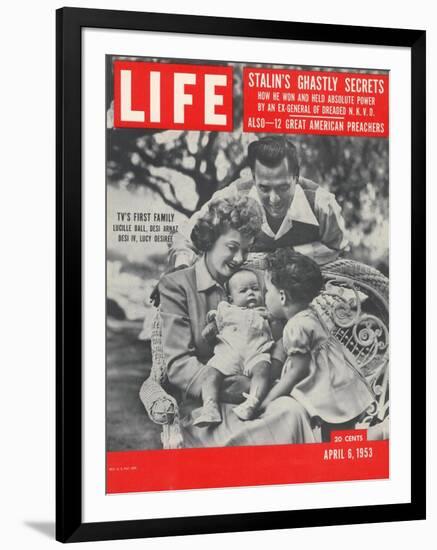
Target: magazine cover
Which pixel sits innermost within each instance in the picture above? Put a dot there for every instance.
(247, 298)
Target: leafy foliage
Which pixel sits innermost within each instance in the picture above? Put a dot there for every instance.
(354, 169)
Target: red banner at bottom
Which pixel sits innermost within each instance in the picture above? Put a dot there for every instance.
(163, 470)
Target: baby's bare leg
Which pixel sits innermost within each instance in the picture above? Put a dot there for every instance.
(212, 385)
(260, 381)
(210, 412)
(259, 386)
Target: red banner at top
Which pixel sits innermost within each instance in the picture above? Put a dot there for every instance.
(173, 96)
(315, 102)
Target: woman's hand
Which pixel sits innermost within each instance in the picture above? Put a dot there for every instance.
(233, 388)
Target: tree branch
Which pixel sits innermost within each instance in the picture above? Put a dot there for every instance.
(235, 172)
(141, 179)
(163, 163)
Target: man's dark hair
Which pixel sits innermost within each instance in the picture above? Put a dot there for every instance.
(271, 151)
(297, 275)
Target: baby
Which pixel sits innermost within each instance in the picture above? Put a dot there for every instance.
(244, 340)
(318, 371)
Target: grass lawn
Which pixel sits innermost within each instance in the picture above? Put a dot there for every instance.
(128, 364)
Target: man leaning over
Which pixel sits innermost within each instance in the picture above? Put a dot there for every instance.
(296, 211)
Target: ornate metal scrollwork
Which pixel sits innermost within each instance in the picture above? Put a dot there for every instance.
(346, 308)
(363, 334)
(371, 334)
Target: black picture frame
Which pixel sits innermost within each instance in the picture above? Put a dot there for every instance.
(69, 524)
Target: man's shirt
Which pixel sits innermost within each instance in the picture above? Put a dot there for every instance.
(313, 224)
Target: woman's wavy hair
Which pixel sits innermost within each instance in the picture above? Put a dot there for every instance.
(297, 275)
(238, 212)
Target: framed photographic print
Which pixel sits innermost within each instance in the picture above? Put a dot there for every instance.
(240, 255)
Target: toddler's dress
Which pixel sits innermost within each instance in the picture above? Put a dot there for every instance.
(334, 388)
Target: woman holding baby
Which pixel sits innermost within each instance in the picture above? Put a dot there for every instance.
(241, 366)
(224, 234)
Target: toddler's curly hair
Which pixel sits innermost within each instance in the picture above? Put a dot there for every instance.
(297, 275)
(238, 212)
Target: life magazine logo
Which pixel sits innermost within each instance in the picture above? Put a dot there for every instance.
(170, 96)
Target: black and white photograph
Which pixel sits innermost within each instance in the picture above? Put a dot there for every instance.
(247, 280)
(218, 272)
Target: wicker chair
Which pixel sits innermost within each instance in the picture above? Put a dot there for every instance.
(355, 300)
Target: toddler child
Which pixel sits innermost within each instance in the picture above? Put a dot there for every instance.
(318, 372)
(244, 340)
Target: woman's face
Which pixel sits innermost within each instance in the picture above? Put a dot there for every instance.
(227, 254)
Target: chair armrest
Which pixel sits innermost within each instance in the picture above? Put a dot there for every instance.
(161, 407)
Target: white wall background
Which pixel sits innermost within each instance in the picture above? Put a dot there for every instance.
(27, 236)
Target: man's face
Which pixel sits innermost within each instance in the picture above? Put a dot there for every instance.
(275, 188)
